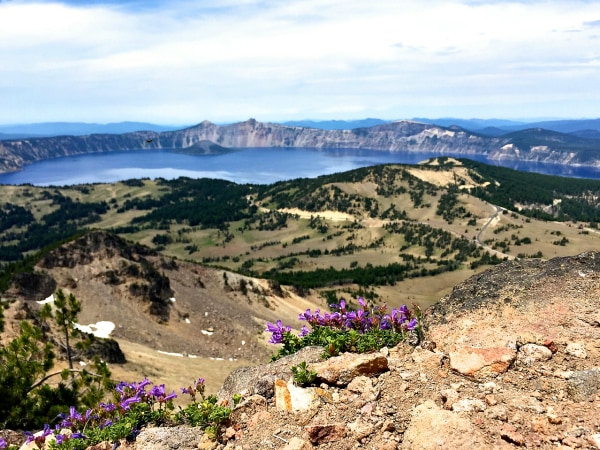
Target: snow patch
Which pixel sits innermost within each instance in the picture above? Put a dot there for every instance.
(100, 329)
(187, 320)
(170, 353)
(180, 355)
(49, 299)
(208, 333)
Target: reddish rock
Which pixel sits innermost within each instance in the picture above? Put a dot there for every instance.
(551, 345)
(433, 428)
(481, 362)
(258, 419)
(510, 434)
(320, 434)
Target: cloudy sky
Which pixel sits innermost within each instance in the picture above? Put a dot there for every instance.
(179, 62)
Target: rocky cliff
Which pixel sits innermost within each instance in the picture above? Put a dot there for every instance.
(397, 136)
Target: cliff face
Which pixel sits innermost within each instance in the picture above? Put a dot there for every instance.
(397, 136)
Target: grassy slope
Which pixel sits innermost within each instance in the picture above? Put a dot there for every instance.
(263, 250)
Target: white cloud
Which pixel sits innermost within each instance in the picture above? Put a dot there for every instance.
(185, 61)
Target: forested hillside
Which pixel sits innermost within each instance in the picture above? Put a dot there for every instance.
(366, 230)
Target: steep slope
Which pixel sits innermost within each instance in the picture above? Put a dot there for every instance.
(157, 304)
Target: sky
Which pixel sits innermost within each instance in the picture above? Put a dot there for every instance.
(179, 62)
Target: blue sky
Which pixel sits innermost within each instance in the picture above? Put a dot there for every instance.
(180, 62)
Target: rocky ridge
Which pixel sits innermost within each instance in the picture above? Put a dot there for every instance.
(511, 358)
(396, 136)
(165, 304)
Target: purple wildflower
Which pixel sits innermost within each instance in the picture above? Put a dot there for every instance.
(3, 443)
(72, 419)
(306, 315)
(304, 331)
(110, 407)
(412, 324)
(386, 323)
(158, 391)
(362, 302)
(198, 387)
(106, 423)
(39, 438)
(277, 331)
(126, 404)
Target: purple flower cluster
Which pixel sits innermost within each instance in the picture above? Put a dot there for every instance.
(277, 330)
(126, 395)
(131, 393)
(40, 438)
(363, 319)
(197, 388)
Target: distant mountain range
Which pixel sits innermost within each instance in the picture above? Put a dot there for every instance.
(586, 128)
(48, 129)
(532, 144)
(336, 124)
(589, 128)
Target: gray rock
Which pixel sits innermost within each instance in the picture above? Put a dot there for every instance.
(259, 380)
(164, 438)
(583, 384)
(532, 353)
(576, 349)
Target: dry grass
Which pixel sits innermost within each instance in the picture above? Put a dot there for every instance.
(174, 371)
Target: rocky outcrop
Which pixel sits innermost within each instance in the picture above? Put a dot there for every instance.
(535, 323)
(510, 359)
(208, 137)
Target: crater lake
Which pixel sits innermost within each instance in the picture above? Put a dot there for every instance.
(249, 165)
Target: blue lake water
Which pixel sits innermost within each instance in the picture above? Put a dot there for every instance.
(253, 165)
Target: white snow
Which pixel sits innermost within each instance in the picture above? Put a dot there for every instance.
(187, 320)
(170, 354)
(181, 355)
(100, 329)
(49, 299)
(208, 333)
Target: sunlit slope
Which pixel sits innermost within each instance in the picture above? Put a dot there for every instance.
(370, 230)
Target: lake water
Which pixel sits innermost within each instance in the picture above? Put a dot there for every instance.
(253, 165)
